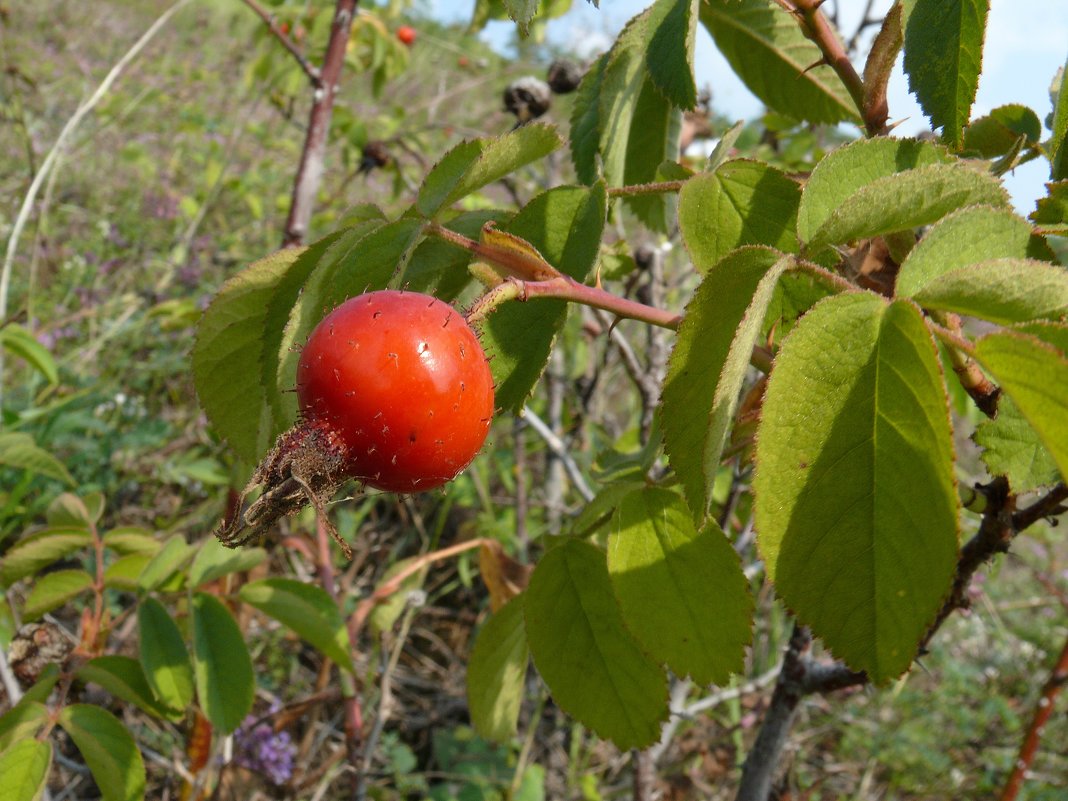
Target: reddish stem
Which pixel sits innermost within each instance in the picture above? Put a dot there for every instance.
(1043, 710)
(312, 157)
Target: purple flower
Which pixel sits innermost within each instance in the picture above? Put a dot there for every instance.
(262, 750)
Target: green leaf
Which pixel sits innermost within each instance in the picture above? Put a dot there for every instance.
(522, 12)
(40, 549)
(473, 164)
(20, 342)
(221, 664)
(1051, 212)
(996, 134)
(682, 590)
(1058, 142)
(108, 749)
(22, 722)
(968, 236)
(52, 590)
(307, 610)
(68, 509)
(164, 657)
(565, 225)
(943, 59)
(174, 553)
(497, 671)
(741, 203)
(854, 166)
(214, 560)
(908, 200)
(768, 51)
(385, 614)
(24, 770)
(595, 670)
(124, 678)
(856, 502)
(230, 352)
(669, 57)
(708, 365)
(1012, 448)
(638, 128)
(585, 133)
(1002, 290)
(18, 450)
(131, 539)
(123, 573)
(1034, 374)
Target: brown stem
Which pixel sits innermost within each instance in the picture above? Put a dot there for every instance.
(980, 389)
(310, 171)
(268, 19)
(816, 27)
(645, 189)
(1043, 710)
(801, 675)
(353, 710)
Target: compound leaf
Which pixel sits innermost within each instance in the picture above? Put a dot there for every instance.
(124, 678)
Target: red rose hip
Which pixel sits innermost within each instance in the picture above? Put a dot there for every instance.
(402, 381)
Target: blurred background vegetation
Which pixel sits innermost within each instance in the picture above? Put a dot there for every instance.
(181, 177)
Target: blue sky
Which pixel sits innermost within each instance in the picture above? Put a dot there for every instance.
(1026, 42)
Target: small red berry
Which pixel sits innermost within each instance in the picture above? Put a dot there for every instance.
(406, 33)
(402, 380)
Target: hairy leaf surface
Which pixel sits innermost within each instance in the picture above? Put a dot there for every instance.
(1034, 373)
(943, 59)
(708, 365)
(740, 203)
(851, 167)
(767, 50)
(856, 501)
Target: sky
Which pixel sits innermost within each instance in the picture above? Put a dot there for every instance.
(1026, 42)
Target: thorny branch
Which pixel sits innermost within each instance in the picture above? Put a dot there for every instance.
(268, 19)
(313, 154)
(802, 675)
